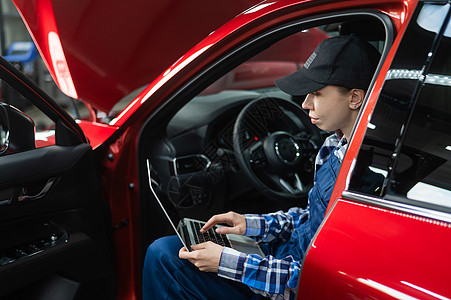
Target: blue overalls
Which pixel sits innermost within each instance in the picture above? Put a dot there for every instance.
(319, 197)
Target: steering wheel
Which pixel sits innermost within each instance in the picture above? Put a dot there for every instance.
(275, 145)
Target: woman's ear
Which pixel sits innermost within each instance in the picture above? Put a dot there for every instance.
(356, 100)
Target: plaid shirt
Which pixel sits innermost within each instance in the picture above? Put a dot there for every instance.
(272, 277)
(328, 146)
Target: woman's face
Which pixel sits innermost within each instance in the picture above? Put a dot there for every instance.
(330, 109)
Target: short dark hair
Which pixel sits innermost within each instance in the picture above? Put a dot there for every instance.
(343, 90)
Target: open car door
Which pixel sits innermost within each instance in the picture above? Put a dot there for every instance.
(55, 230)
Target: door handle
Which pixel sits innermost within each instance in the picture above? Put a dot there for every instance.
(6, 195)
(23, 196)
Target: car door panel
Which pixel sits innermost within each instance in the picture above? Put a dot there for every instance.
(379, 259)
(41, 162)
(65, 231)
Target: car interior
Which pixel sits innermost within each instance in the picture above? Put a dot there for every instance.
(236, 142)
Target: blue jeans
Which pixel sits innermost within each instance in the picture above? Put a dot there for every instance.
(166, 276)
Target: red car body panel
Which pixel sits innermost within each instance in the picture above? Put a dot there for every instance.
(97, 133)
(393, 261)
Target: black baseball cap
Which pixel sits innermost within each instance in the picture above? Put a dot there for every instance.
(346, 61)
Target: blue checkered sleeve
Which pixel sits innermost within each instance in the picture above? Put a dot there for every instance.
(268, 276)
(275, 226)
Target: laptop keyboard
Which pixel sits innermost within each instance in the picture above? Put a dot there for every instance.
(210, 235)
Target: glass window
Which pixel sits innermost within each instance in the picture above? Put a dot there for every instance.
(424, 168)
(407, 149)
(44, 126)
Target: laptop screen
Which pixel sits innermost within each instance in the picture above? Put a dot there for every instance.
(154, 182)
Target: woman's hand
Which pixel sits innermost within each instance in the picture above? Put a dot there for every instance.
(206, 256)
(237, 221)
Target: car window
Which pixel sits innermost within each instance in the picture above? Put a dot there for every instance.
(44, 126)
(406, 153)
(429, 134)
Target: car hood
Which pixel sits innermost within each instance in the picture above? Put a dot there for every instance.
(101, 51)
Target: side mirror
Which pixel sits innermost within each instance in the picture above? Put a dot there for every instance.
(17, 131)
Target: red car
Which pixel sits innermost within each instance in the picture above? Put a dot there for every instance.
(76, 211)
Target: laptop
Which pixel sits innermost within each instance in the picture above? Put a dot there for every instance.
(188, 230)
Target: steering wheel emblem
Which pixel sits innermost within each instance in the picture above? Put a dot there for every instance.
(287, 149)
